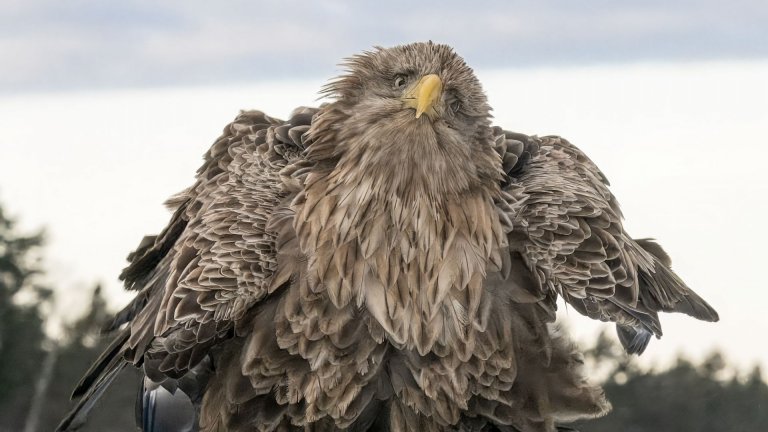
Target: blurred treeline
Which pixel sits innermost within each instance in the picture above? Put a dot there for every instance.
(37, 372)
(687, 397)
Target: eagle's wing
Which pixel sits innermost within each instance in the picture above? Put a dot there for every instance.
(565, 227)
(213, 261)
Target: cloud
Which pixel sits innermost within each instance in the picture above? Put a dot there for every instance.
(50, 44)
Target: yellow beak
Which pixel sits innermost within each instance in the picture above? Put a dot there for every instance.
(425, 94)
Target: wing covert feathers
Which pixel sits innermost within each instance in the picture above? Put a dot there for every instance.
(568, 228)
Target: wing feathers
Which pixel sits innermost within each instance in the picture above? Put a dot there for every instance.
(567, 226)
(663, 290)
(106, 361)
(211, 262)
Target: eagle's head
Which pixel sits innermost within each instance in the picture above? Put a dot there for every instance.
(413, 119)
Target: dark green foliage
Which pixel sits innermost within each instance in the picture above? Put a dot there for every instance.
(115, 412)
(21, 325)
(686, 397)
(23, 345)
(20, 360)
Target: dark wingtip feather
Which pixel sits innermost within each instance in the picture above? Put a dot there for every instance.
(76, 418)
(151, 251)
(126, 314)
(634, 339)
(665, 291)
(677, 297)
(106, 362)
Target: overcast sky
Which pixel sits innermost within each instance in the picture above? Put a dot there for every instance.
(76, 44)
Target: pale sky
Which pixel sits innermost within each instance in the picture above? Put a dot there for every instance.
(85, 44)
(683, 144)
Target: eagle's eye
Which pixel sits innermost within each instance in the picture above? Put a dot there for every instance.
(400, 81)
(455, 106)
(453, 101)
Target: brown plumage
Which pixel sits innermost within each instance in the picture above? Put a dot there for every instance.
(388, 261)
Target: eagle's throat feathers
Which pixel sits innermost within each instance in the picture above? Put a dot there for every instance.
(417, 266)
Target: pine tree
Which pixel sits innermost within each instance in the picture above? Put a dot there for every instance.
(686, 397)
(21, 324)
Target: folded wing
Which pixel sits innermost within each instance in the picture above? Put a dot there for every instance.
(213, 261)
(567, 227)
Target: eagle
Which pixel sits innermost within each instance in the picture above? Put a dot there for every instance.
(387, 261)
